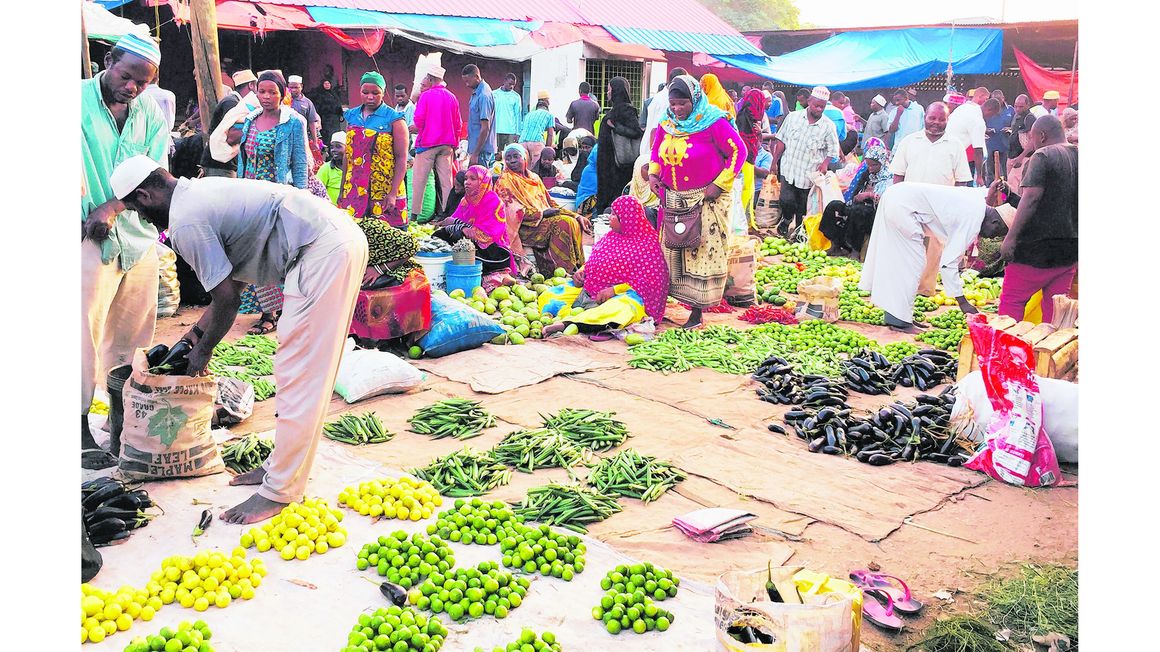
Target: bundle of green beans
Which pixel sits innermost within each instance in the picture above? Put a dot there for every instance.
(356, 430)
(263, 389)
(454, 417)
(465, 473)
(540, 448)
(593, 430)
(249, 359)
(634, 475)
(246, 454)
(566, 505)
(261, 343)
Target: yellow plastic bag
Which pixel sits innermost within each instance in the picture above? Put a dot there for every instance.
(814, 237)
(1033, 312)
(620, 311)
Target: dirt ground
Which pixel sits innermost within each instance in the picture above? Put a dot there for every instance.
(939, 528)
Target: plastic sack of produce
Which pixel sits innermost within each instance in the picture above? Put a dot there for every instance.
(767, 206)
(167, 425)
(364, 373)
(456, 327)
(819, 298)
(235, 402)
(825, 190)
(829, 619)
(168, 289)
(741, 286)
(973, 413)
(1017, 449)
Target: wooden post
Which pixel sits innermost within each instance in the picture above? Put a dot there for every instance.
(1074, 62)
(86, 60)
(206, 63)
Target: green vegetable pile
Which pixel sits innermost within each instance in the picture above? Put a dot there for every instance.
(852, 306)
(249, 359)
(465, 473)
(472, 592)
(596, 431)
(404, 561)
(454, 417)
(634, 475)
(397, 629)
(246, 454)
(540, 549)
(477, 521)
(185, 637)
(629, 595)
(896, 352)
(357, 430)
(566, 505)
(540, 448)
(950, 319)
(529, 642)
(947, 339)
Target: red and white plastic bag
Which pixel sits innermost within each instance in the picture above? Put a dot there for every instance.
(1016, 450)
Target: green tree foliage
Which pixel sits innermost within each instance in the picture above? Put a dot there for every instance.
(756, 14)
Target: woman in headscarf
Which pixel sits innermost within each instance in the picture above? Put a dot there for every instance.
(589, 183)
(848, 224)
(273, 148)
(480, 218)
(749, 115)
(639, 189)
(328, 105)
(576, 158)
(396, 296)
(1069, 117)
(377, 141)
(696, 156)
(619, 132)
(552, 233)
(547, 169)
(717, 96)
(625, 279)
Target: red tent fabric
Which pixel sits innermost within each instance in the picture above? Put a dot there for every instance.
(367, 40)
(1039, 80)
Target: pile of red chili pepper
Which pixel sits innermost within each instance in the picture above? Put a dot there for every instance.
(766, 313)
(719, 308)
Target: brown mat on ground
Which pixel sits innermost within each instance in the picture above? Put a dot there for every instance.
(496, 369)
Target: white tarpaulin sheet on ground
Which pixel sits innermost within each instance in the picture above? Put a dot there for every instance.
(286, 615)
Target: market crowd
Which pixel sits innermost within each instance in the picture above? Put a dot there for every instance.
(289, 204)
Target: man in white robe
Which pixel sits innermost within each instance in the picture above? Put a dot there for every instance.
(956, 216)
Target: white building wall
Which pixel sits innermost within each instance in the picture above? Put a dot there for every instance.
(558, 71)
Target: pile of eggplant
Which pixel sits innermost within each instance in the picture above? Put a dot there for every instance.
(926, 369)
(782, 385)
(169, 362)
(869, 372)
(113, 509)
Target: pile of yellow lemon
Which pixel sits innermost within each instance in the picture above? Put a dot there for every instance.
(104, 614)
(402, 498)
(206, 579)
(299, 530)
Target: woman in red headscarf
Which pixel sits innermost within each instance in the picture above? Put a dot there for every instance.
(481, 218)
(625, 279)
(749, 114)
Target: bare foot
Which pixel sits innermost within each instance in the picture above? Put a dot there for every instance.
(254, 509)
(253, 476)
(908, 328)
(552, 329)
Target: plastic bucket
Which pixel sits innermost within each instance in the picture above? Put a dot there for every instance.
(115, 384)
(464, 277)
(433, 266)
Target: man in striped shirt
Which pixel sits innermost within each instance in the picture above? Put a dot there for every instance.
(802, 147)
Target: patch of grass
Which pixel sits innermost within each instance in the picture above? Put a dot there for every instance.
(960, 633)
(1040, 600)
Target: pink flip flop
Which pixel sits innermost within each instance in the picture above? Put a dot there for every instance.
(903, 602)
(878, 608)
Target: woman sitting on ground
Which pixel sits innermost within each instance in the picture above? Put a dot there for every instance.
(396, 296)
(848, 224)
(553, 233)
(480, 218)
(547, 168)
(625, 279)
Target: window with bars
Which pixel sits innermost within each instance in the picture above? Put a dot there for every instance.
(598, 71)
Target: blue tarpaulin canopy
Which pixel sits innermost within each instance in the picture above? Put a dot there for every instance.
(479, 32)
(881, 58)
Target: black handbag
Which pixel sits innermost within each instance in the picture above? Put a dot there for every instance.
(681, 218)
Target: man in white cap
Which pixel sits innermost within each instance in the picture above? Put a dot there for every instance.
(118, 259)
(236, 104)
(238, 231)
(437, 125)
(878, 124)
(330, 172)
(968, 125)
(304, 107)
(895, 257)
(802, 147)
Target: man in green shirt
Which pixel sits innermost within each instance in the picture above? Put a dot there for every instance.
(330, 172)
(118, 260)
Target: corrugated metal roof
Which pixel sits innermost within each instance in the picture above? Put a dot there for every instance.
(671, 15)
(685, 41)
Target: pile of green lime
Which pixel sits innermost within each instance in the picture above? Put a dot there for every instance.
(516, 307)
(529, 641)
(541, 549)
(629, 595)
(475, 521)
(471, 592)
(406, 561)
(396, 629)
(186, 637)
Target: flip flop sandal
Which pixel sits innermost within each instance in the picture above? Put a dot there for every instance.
(902, 599)
(97, 459)
(601, 337)
(260, 328)
(878, 608)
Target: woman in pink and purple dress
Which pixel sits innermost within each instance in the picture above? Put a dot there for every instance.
(696, 155)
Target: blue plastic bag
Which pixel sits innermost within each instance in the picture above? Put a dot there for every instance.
(456, 327)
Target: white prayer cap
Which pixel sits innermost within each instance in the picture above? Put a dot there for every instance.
(338, 137)
(243, 77)
(821, 92)
(879, 100)
(130, 173)
(294, 79)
